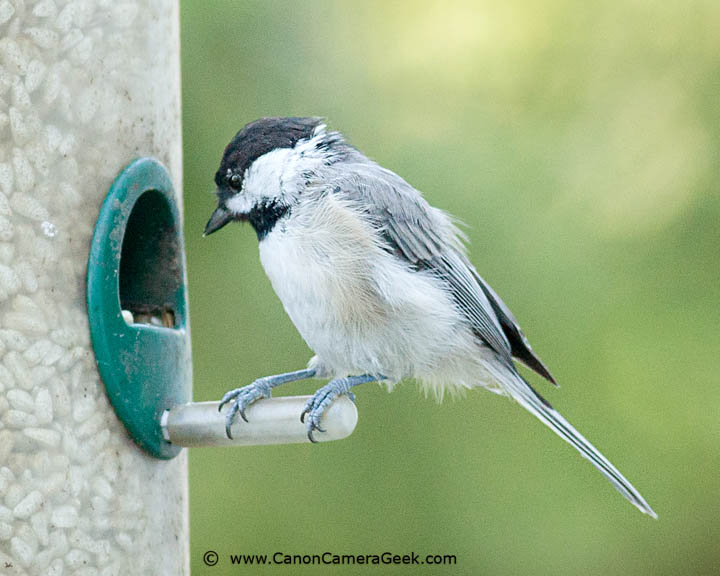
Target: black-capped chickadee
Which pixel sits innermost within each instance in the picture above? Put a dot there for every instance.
(375, 279)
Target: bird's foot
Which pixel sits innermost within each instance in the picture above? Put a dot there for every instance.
(319, 402)
(241, 398)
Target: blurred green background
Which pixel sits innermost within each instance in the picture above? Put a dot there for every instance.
(580, 143)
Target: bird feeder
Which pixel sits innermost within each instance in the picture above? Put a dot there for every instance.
(85, 87)
(137, 307)
(93, 479)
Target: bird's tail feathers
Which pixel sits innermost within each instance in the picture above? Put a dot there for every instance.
(516, 387)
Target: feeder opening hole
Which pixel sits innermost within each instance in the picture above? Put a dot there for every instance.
(150, 263)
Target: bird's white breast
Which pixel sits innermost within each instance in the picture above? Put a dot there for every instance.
(358, 307)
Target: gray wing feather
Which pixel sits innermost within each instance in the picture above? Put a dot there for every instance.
(519, 343)
(426, 238)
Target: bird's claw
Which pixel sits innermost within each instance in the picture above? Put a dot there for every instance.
(241, 398)
(316, 406)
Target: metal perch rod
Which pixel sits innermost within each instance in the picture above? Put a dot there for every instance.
(270, 421)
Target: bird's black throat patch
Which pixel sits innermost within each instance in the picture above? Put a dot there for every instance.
(264, 216)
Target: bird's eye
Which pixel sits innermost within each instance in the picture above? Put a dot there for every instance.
(235, 181)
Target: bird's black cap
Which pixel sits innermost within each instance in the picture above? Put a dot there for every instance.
(259, 138)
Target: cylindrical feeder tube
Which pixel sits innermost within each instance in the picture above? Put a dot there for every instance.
(85, 87)
(270, 421)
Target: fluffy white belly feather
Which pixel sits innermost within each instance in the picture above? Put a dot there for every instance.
(361, 309)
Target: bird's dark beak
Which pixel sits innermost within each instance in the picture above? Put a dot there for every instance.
(218, 219)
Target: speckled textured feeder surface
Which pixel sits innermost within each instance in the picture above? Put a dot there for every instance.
(85, 87)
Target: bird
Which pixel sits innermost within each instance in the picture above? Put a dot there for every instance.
(376, 280)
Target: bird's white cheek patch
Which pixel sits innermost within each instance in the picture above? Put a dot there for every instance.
(239, 204)
(265, 175)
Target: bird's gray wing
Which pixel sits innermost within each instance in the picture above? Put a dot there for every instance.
(519, 343)
(426, 238)
(411, 235)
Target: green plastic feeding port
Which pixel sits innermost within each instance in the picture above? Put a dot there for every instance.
(137, 303)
